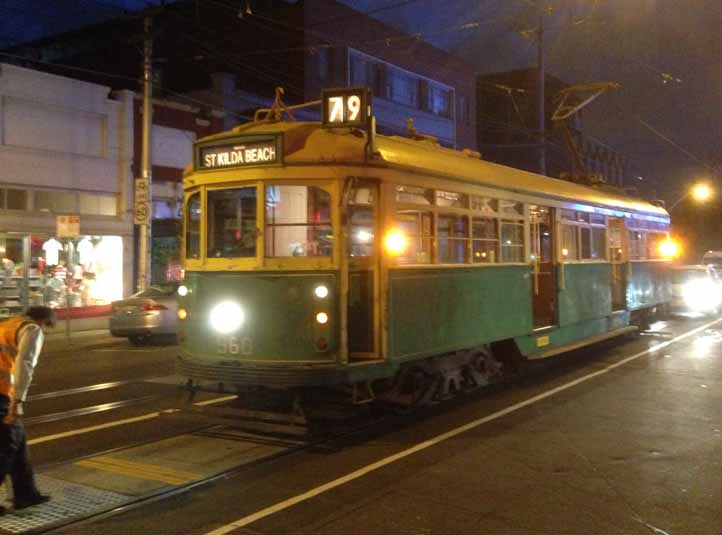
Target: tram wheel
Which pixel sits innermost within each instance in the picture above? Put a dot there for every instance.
(139, 339)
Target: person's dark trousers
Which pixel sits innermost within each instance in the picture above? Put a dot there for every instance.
(14, 457)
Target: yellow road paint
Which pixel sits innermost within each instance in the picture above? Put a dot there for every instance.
(139, 470)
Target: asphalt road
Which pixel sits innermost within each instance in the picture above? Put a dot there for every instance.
(614, 439)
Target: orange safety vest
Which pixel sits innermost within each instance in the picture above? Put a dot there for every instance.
(9, 330)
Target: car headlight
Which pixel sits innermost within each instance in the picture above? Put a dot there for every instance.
(702, 295)
(227, 317)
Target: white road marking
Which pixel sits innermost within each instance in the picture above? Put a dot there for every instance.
(115, 423)
(280, 506)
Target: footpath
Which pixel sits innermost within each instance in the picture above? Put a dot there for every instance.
(57, 342)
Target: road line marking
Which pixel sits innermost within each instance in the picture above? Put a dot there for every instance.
(299, 498)
(139, 470)
(149, 416)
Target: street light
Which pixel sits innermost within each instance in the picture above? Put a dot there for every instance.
(700, 192)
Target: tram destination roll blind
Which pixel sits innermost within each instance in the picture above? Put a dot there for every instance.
(238, 154)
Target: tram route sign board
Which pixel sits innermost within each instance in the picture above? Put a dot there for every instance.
(345, 107)
(238, 153)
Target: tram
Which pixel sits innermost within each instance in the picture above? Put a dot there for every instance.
(319, 254)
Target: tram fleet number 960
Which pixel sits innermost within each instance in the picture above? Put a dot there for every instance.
(235, 345)
(345, 107)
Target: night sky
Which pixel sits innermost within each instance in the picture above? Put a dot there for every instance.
(665, 53)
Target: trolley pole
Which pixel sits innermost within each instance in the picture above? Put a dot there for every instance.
(542, 96)
(146, 171)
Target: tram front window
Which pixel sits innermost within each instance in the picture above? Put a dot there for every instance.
(232, 223)
(298, 221)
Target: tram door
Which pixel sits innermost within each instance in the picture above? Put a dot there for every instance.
(618, 258)
(363, 270)
(544, 288)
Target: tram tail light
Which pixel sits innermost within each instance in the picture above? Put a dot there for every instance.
(668, 248)
(395, 242)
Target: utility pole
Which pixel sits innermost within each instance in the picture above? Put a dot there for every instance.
(541, 91)
(147, 169)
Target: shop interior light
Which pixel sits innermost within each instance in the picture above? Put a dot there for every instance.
(395, 242)
(227, 317)
(322, 318)
(182, 290)
(321, 291)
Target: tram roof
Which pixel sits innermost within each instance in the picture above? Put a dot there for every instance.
(307, 142)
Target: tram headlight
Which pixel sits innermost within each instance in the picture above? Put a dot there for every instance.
(702, 295)
(321, 291)
(182, 313)
(322, 318)
(395, 242)
(227, 317)
(182, 290)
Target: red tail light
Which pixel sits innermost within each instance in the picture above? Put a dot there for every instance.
(155, 306)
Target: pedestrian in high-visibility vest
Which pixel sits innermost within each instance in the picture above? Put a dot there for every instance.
(21, 340)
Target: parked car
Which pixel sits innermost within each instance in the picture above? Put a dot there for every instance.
(695, 288)
(146, 315)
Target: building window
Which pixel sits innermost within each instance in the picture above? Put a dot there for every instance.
(440, 101)
(298, 221)
(360, 68)
(14, 199)
(57, 202)
(404, 88)
(98, 204)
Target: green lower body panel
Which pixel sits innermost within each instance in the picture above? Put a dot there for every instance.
(566, 335)
(648, 284)
(435, 311)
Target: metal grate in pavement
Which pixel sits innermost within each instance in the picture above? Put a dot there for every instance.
(70, 501)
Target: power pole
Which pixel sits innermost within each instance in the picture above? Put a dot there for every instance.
(541, 90)
(147, 169)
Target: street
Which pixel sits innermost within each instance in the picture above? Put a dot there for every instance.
(611, 439)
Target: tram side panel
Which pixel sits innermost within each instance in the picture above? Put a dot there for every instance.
(438, 310)
(648, 284)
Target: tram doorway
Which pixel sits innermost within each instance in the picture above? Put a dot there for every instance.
(363, 275)
(618, 260)
(544, 287)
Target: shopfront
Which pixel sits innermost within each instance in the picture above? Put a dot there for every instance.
(79, 276)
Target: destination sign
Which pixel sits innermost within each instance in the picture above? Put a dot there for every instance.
(238, 154)
(345, 107)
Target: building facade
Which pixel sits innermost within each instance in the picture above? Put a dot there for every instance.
(508, 129)
(66, 148)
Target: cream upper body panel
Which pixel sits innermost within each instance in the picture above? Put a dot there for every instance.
(307, 143)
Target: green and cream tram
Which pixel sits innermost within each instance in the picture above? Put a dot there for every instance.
(329, 256)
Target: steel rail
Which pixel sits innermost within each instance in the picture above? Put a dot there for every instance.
(57, 416)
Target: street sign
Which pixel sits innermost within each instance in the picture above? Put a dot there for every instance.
(141, 208)
(67, 226)
(345, 107)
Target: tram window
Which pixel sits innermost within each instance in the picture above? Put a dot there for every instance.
(511, 208)
(298, 221)
(568, 215)
(484, 204)
(599, 243)
(654, 240)
(637, 245)
(232, 223)
(451, 199)
(570, 248)
(416, 226)
(512, 242)
(361, 217)
(452, 238)
(598, 219)
(586, 242)
(583, 216)
(413, 195)
(485, 240)
(193, 226)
